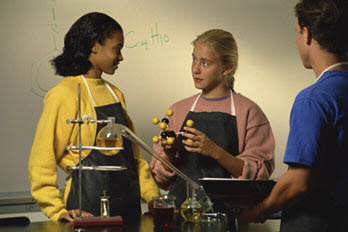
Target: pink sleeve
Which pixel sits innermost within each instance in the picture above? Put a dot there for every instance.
(162, 176)
(256, 141)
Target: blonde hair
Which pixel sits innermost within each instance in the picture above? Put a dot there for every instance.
(225, 47)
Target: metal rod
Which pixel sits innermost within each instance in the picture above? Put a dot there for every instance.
(92, 148)
(130, 135)
(98, 168)
(80, 150)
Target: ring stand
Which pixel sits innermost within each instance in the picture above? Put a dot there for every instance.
(127, 133)
(95, 220)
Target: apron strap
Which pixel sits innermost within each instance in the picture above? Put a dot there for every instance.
(233, 111)
(112, 92)
(90, 93)
(195, 103)
(330, 67)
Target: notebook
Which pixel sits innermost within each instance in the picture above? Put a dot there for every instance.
(222, 190)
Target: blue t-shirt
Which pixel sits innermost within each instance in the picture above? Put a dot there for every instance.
(318, 132)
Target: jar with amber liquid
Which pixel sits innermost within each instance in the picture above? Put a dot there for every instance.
(109, 137)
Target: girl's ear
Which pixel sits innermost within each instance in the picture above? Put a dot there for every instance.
(95, 48)
(227, 70)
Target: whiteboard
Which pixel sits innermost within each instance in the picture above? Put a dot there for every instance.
(156, 70)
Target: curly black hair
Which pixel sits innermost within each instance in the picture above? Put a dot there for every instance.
(79, 40)
(328, 22)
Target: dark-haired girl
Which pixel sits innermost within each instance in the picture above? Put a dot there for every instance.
(92, 47)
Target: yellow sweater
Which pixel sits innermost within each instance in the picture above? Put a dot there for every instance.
(53, 134)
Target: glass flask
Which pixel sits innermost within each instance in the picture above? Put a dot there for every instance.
(109, 136)
(191, 209)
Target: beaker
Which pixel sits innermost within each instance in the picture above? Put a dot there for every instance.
(216, 222)
(163, 212)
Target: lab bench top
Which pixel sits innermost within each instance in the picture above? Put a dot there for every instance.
(145, 224)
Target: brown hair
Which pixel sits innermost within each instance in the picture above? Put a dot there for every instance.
(225, 46)
(327, 21)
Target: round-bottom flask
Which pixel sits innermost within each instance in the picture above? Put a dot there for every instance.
(109, 136)
(191, 209)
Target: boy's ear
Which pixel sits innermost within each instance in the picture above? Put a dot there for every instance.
(307, 35)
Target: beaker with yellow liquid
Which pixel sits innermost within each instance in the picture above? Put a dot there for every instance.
(110, 137)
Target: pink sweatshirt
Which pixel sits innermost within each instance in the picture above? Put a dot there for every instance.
(255, 137)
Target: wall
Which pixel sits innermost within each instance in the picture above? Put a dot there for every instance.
(156, 68)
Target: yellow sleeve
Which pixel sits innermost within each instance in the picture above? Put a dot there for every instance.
(48, 148)
(148, 187)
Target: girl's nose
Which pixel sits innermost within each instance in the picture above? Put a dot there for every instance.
(120, 57)
(195, 67)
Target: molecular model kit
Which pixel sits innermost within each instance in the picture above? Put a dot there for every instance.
(167, 134)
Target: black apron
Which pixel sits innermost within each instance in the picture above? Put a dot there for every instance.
(320, 218)
(220, 128)
(121, 186)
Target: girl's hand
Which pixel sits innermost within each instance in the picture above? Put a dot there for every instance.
(150, 207)
(71, 214)
(170, 149)
(198, 142)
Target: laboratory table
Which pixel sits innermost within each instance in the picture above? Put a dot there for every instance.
(143, 225)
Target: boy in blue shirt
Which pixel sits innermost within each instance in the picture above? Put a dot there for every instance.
(312, 194)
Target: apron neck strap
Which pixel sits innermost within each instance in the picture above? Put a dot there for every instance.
(330, 67)
(90, 93)
(233, 111)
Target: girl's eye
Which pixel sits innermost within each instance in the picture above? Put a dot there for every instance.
(205, 63)
(194, 59)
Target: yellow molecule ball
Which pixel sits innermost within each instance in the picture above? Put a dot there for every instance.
(155, 120)
(155, 139)
(163, 125)
(170, 112)
(189, 140)
(189, 123)
(170, 140)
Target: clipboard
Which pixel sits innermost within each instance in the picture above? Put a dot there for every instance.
(227, 190)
